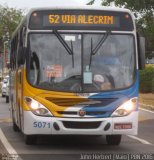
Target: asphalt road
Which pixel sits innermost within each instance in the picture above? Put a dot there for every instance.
(75, 147)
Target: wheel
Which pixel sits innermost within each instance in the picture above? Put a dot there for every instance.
(3, 95)
(30, 139)
(113, 139)
(7, 99)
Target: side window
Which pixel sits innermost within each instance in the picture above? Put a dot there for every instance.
(11, 55)
(14, 43)
(17, 42)
(15, 53)
(19, 45)
(24, 35)
(21, 42)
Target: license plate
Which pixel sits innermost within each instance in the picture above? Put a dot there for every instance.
(123, 126)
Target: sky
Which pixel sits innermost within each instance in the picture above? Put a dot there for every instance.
(27, 4)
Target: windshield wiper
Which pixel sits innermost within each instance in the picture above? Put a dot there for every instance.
(68, 49)
(72, 54)
(98, 46)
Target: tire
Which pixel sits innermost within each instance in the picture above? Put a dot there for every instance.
(30, 139)
(3, 95)
(7, 99)
(113, 139)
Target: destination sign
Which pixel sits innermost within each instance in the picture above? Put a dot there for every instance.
(55, 19)
(80, 20)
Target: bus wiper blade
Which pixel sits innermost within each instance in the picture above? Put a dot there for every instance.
(103, 39)
(72, 54)
(91, 53)
(68, 49)
(100, 43)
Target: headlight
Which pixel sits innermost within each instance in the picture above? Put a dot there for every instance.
(126, 108)
(37, 108)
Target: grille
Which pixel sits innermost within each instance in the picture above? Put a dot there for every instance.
(88, 113)
(66, 102)
(81, 125)
(94, 113)
(67, 112)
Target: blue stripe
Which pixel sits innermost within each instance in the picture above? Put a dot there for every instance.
(107, 102)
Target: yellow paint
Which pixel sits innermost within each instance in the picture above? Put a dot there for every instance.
(50, 99)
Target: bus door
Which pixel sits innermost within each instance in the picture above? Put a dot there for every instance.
(19, 89)
(19, 95)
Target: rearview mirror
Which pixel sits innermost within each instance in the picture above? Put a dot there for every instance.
(141, 51)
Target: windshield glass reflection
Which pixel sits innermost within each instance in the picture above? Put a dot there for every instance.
(52, 67)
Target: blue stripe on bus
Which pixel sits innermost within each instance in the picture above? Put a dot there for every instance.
(120, 97)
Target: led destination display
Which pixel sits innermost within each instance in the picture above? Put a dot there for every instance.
(80, 20)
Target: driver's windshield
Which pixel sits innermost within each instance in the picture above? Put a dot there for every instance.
(111, 67)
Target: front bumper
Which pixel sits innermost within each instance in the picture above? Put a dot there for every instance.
(37, 125)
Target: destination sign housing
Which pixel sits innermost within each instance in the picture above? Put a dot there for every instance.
(80, 20)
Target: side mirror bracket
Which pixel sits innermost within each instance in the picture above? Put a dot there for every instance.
(141, 51)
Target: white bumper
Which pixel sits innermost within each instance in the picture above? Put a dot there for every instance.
(45, 125)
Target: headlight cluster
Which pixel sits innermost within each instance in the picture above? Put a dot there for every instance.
(37, 108)
(126, 108)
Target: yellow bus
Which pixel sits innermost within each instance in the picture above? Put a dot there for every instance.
(74, 71)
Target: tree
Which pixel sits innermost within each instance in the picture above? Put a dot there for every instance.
(144, 9)
(91, 2)
(9, 20)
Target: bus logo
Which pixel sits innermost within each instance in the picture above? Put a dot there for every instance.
(82, 113)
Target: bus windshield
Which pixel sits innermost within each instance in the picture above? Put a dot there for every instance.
(51, 67)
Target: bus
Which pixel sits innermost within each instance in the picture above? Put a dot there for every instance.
(74, 71)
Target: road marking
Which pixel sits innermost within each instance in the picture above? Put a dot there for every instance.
(6, 144)
(8, 147)
(146, 110)
(140, 140)
(7, 120)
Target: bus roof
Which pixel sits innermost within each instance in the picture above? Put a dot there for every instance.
(97, 8)
(80, 8)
